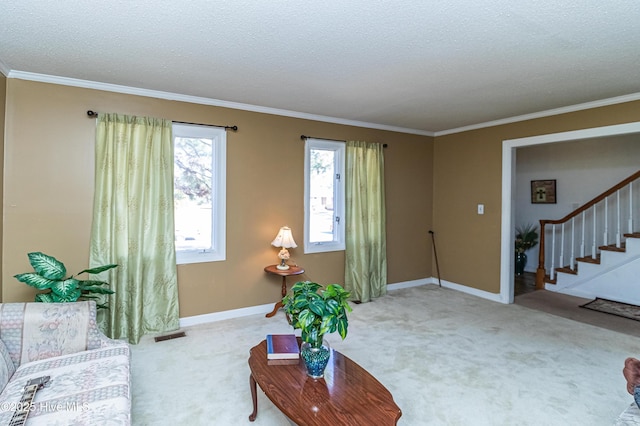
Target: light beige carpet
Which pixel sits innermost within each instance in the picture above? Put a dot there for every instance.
(568, 306)
(447, 357)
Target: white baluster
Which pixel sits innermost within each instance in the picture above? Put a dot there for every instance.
(606, 222)
(594, 253)
(631, 207)
(552, 272)
(572, 258)
(561, 258)
(584, 216)
(618, 233)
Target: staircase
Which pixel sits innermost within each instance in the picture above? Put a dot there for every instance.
(593, 251)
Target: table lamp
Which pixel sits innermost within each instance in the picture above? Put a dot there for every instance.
(285, 240)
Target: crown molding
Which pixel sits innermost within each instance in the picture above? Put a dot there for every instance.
(541, 114)
(4, 69)
(87, 84)
(108, 87)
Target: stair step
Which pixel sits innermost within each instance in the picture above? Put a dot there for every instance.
(612, 247)
(589, 259)
(568, 270)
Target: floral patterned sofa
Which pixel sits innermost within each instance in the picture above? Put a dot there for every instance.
(90, 378)
(629, 417)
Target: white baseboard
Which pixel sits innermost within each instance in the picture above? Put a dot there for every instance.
(224, 315)
(264, 309)
(407, 284)
(495, 297)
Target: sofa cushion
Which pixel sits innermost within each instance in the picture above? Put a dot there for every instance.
(90, 387)
(6, 365)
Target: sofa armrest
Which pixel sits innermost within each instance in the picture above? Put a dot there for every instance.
(106, 342)
(629, 417)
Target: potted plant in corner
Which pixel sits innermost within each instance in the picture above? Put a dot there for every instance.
(50, 275)
(526, 238)
(317, 313)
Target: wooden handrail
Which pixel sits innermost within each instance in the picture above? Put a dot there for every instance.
(596, 200)
(540, 273)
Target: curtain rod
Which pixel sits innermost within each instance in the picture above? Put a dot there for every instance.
(92, 114)
(303, 137)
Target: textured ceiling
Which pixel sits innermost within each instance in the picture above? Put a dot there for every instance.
(431, 66)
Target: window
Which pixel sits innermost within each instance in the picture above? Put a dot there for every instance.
(323, 196)
(199, 174)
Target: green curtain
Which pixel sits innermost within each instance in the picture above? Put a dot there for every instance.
(365, 229)
(133, 224)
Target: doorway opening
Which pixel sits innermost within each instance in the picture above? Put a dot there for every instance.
(509, 148)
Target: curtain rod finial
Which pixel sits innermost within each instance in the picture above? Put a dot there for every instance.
(92, 113)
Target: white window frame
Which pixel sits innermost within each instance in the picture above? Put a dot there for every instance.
(339, 149)
(218, 136)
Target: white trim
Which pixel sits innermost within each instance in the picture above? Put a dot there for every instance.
(225, 315)
(413, 283)
(4, 69)
(556, 111)
(595, 132)
(495, 297)
(218, 137)
(508, 216)
(340, 157)
(108, 87)
(508, 183)
(448, 284)
(264, 309)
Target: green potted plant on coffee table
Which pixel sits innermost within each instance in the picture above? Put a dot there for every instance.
(316, 312)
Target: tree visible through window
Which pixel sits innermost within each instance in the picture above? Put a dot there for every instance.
(199, 165)
(324, 195)
(321, 192)
(193, 195)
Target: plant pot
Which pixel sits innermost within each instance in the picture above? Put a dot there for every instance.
(521, 261)
(315, 359)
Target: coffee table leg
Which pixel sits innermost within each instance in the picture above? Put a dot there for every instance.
(254, 396)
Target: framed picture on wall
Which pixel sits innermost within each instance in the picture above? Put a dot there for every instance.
(543, 191)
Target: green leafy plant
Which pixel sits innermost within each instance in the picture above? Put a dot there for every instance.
(50, 275)
(526, 237)
(317, 313)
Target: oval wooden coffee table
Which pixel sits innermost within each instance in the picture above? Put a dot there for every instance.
(347, 395)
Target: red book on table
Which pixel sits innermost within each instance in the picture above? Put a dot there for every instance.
(282, 346)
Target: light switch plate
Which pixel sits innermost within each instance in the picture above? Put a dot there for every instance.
(480, 208)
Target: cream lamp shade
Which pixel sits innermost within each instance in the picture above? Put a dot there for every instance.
(285, 240)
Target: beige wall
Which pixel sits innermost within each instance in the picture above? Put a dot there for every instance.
(467, 171)
(48, 176)
(431, 184)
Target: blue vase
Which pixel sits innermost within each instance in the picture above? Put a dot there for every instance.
(521, 261)
(315, 359)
